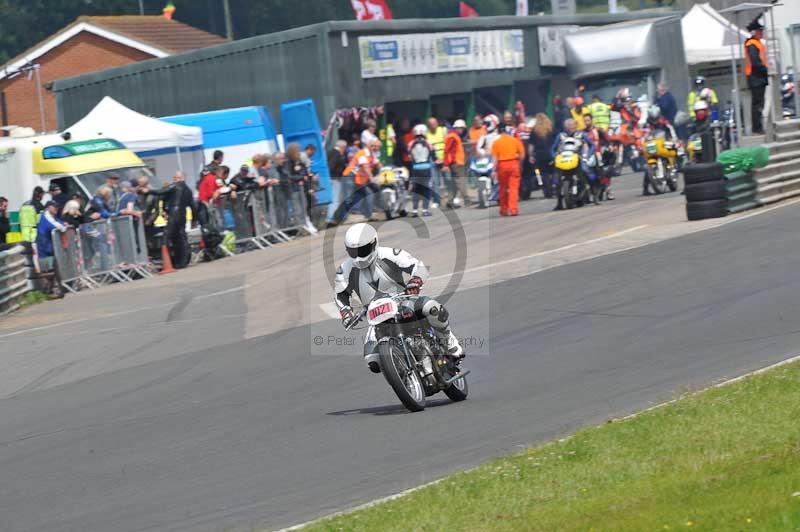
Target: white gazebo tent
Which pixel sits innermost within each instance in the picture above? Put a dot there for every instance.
(709, 39)
(163, 146)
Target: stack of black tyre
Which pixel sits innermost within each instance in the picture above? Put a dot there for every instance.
(706, 194)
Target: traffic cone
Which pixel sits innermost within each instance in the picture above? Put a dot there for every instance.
(166, 262)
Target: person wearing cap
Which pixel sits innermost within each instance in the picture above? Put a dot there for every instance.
(29, 214)
(575, 107)
(244, 180)
(756, 71)
(44, 238)
(455, 161)
(57, 195)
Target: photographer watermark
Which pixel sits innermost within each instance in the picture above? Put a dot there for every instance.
(334, 341)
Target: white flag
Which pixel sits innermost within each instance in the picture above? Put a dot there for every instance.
(522, 8)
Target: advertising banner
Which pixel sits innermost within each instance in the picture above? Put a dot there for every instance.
(430, 53)
(551, 44)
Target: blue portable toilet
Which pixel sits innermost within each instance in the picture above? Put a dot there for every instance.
(240, 133)
(300, 124)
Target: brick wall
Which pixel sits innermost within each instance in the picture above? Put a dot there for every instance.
(84, 53)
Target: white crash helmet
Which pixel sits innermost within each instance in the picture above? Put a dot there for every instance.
(705, 94)
(420, 130)
(361, 243)
(491, 122)
(459, 124)
(653, 113)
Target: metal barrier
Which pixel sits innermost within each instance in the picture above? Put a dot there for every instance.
(101, 252)
(68, 254)
(263, 217)
(236, 215)
(288, 210)
(13, 280)
(115, 250)
(128, 246)
(98, 241)
(263, 225)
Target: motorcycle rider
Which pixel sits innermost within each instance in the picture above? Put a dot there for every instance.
(656, 122)
(484, 148)
(370, 270)
(708, 94)
(571, 130)
(702, 128)
(491, 124)
(599, 139)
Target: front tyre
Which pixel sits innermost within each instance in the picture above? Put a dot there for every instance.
(565, 186)
(672, 180)
(659, 187)
(458, 391)
(404, 381)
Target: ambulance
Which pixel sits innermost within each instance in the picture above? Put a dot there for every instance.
(77, 167)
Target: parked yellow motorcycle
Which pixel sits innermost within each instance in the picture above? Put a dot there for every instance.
(661, 155)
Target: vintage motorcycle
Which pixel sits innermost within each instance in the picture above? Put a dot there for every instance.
(482, 168)
(572, 185)
(662, 162)
(625, 141)
(605, 171)
(393, 184)
(412, 360)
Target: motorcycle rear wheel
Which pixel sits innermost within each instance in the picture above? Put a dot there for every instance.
(405, 381)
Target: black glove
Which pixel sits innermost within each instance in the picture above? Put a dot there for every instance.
(347, 316)
(413, 285)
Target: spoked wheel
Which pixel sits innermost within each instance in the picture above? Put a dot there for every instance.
(403, 379)
(566, 192)
(658, 184)
(672, 180)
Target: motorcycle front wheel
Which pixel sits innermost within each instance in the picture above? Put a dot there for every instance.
(404, 380)
(566, 192)
(457, 391)
(657, 184)
(672, 181)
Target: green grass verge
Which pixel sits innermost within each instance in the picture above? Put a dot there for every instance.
(32, 298)
(725, 459)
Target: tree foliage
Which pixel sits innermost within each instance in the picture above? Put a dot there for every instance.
(24, 23)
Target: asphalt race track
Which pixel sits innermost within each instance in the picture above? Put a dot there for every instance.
(260, 434)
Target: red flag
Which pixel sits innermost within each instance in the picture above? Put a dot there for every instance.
(371, 10)
(466, 10)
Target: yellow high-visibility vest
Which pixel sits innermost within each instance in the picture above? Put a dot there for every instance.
(436, 138)
(601, 114)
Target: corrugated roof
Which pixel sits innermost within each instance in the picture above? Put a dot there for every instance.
(169, 35)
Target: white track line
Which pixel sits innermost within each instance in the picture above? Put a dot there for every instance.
(795, 358)
(540, 253)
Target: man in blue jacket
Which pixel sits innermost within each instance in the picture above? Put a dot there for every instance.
(44, 239)
(666, 102)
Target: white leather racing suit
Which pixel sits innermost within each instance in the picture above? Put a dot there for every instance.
(388, 274)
